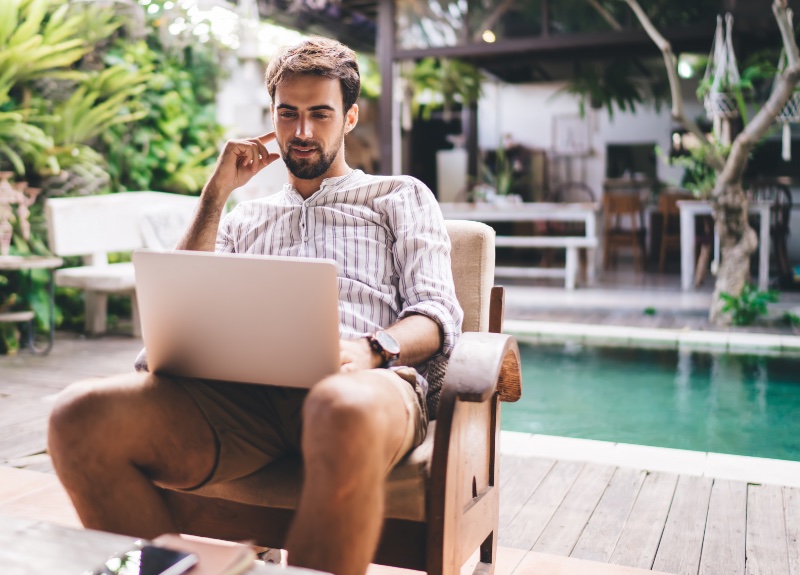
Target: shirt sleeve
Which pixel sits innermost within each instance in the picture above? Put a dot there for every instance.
(422, 260)
(224, 243)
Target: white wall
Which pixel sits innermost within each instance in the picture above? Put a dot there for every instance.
(525, 112)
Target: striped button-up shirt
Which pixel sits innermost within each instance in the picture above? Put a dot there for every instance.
(387, 236)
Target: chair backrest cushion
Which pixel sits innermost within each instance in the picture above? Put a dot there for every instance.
(472, 259)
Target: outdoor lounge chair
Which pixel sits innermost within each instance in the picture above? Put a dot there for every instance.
(442, 499)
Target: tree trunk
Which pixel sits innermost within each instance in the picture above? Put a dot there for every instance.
(737, 242)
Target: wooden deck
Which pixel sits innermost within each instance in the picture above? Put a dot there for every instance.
(664, 522)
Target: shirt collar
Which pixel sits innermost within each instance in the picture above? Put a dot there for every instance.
(327, 185)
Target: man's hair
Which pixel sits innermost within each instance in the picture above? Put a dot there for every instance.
(317, 57)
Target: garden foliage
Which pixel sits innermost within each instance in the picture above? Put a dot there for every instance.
(92, 102)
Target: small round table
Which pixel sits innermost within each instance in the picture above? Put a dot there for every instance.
(27, 264)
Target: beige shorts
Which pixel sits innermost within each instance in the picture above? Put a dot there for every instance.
(255, 425)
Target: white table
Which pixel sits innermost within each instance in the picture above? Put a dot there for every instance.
(586, 212)
(691, 208)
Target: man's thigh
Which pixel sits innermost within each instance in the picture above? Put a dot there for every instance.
(146, 421)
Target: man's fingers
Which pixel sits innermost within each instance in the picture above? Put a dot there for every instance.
(266, 138)
(263, 153)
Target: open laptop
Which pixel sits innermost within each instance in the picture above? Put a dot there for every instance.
(238, 317)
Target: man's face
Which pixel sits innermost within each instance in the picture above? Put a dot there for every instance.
(310, 124)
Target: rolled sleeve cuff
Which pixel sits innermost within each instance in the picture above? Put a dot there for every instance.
(447, 320)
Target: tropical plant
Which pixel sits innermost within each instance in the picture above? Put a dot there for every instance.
(446, 82)
(35, 42)
(748, 305)
(22, 142)
(500, 174)
(613, 85)
(173, 145)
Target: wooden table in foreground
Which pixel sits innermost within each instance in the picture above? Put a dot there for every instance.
(586, 212)
(34, 547)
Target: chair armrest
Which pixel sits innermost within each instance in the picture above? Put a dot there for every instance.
(484, 363)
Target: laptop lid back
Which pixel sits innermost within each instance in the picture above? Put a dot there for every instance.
(239, 317)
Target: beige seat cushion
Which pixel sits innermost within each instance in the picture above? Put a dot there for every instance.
(279, 484)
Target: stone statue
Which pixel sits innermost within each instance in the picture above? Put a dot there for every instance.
(23, 197)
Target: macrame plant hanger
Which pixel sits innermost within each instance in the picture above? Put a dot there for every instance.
(791, 111)
(722, 74)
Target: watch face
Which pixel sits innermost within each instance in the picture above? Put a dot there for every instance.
(388, 343)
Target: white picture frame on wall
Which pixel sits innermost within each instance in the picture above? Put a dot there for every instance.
(571, 135)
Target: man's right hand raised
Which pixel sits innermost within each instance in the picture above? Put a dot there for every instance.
(239, 161)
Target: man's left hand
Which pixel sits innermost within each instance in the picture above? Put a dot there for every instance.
(356, 354)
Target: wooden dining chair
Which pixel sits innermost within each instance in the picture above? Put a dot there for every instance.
(442, 499)
(622, 216)
(780, 196)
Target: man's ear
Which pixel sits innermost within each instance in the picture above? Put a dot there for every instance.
(351, 118)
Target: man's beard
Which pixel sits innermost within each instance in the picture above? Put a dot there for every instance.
(308, 169)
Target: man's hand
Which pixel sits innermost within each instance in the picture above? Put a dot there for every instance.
(238, 162)
(356, 354)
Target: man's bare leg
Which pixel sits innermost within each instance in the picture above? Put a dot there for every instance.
(353, 425)
(111, 439)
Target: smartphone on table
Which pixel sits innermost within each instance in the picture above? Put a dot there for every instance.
(146, 559)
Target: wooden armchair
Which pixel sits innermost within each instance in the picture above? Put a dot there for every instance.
(442, 499)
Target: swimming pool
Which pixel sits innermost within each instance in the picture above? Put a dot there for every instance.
(725, 403)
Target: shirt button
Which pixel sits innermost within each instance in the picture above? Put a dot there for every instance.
(305, 238)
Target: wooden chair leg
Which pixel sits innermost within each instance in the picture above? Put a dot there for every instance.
(488, 557)
(136, 322)
(662, 258)
(702, 265)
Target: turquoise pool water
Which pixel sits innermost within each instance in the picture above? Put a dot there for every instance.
(725, 403)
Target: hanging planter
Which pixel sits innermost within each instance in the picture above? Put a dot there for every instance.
(722, 83)
(791, 111)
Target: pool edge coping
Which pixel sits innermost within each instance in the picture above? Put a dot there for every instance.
(647, 337)
(756, 470)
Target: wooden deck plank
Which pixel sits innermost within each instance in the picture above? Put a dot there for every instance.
(523, 531)
(571, 517)
(682, 540)
(517, 489)
(791, 505)
(598, 540)
(767, 552)
(50, 503)
(638, 542)
(724, 543)
(536, 563)
(15, 483)
(509, 465)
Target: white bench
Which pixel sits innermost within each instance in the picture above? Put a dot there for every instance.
(94, 226)
(571, 243)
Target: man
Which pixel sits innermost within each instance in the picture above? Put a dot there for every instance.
(113, 440)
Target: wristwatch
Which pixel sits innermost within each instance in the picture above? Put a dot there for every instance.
(386, 346)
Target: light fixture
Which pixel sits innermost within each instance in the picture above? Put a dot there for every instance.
(685, 70)
(488, 36)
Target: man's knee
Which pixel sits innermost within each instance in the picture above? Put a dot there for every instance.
(341, 411)
(85, 414)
